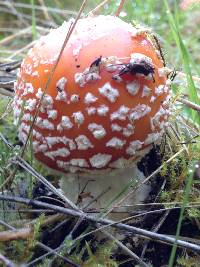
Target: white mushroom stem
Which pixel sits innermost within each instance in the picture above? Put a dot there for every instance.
(102, 192)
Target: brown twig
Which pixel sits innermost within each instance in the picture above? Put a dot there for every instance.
(41, 245)
(18, 234)
(120, 7)
(189, 104)
(121, 226)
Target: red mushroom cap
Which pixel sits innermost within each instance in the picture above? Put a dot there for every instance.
(107, 101)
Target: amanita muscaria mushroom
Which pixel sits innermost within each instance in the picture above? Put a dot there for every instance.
(106, 104)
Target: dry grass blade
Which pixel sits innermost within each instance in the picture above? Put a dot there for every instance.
(39, 8)
(96, 10)
(45, 10)
(15, 35)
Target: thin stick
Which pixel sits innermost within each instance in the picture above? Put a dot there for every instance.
(126, 250)
(189, 104)
(134, 230)
(120, 7)
(53, 251)
(18, 234)
(40, 178)
(6, 261)
(97, 8)
(154, 229)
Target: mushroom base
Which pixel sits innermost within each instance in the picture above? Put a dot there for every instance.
(99, 193)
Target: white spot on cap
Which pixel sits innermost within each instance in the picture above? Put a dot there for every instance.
(31, 104)
(35, 74)
(160, 89)
(97, 130)
(133, 87)
(42, 148)
(60, 152)
(128, 130)
(39, 93)
(53, 140)
(133, 147)
(100, 160)
(138, 58)
(78, 117)
(152, 99)
(155, 121)
(90, 98)
(77, 49)
(52, 114)
(146, 91)
(74, 98)
(83, 142)
(65, 123)
(79, 78)
(61, 96)
(115, 143)
(115, 127)
(37, 135)
(44, 124)
(29, 88)
(27, 117)
(63, 164)
(82, 163)
(47, 101)
(102, 110)
(109, 92)
(25, 127)
(139, 111)
(92, 76)
(151, 138)
(162, 72)
(120, 114)
(91, 111)
(60, 85)
(111, 67)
